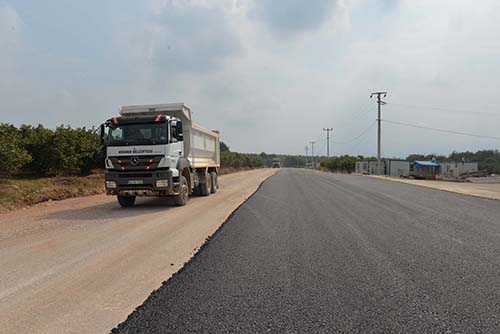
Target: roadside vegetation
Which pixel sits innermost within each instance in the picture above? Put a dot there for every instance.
(39, 152)
(342, 164)
(22, 192)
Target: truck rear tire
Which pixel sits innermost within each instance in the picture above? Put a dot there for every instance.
(182, 197)
(213, 182)
(126, 201)
(206, 185)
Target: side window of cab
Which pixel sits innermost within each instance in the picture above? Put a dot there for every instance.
(173, 132)
(178, 128)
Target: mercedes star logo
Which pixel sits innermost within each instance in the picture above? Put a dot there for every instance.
(134, 161)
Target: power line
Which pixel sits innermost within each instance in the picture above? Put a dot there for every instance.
(358, 136)
(361, 141)
(445, 109)
(355, 116)
(441, 130)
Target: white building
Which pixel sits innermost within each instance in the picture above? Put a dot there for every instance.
(388, 167)
(456, 169)
(397, 168)
(373, 167)
(361, 167)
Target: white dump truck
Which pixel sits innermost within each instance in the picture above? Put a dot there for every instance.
(157, 150)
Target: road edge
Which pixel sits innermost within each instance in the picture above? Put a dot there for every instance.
(115, 330)
(376, 177)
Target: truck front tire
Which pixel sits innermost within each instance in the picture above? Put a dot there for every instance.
(182, 197)
(126, 201)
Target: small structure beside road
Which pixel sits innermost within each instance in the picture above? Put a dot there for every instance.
(388, 167)
(373, 167)
(426, 169)
(429, 170)
(455, 169)
(361, 167)
(398, 168)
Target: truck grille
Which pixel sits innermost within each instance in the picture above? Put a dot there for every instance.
(134, 175)
(136, 162)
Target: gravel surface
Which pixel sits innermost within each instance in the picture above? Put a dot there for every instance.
(320, 253)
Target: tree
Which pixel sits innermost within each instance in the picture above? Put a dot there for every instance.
(74, 150)
(240, 160)
(344, 163)
(223, 147)
(38, 142)
(62, 151)
(13, 156)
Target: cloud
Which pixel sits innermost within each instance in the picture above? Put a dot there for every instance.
(10, 44)
(190, 36)
(292, 16)
(10, 25)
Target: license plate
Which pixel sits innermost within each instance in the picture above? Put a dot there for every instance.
(135, 181)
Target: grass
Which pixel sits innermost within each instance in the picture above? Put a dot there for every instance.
(17, 193)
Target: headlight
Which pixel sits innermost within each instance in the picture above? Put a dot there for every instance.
(164, 162)
(109, 164)
(110, 184)
(161, 183)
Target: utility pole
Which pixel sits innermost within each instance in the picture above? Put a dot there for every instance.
(307, 150)
(379, 130)
(312, 153)
(327, 140)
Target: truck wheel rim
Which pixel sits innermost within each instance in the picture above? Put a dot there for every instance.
(184, 192)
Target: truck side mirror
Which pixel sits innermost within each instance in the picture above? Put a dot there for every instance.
(102, 133)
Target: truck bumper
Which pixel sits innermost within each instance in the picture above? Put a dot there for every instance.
(140, 183)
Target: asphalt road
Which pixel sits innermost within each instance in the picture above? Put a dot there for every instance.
(318, 253)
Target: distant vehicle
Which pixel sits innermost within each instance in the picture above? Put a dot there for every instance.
(276, 164)
(156, 150)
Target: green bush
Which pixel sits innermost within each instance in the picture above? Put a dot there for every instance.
(344, 163)
(38, 142)
(43, 151)
(240, 160)
(75, 150)
(13, 155)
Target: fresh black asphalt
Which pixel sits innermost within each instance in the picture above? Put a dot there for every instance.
(312, 252)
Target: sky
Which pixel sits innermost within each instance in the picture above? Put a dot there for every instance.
(270, 75)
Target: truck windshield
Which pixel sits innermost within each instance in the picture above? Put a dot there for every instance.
(138, 134)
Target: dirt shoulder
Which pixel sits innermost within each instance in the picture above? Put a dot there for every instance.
(491, 191)
(20, 193)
